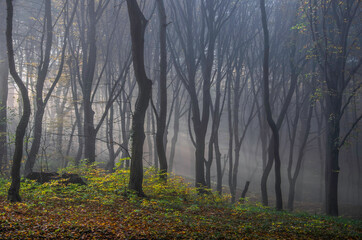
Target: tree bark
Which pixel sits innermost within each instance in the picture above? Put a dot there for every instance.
(138, 25)
(88, 75)
(333, 114)
(161, 119)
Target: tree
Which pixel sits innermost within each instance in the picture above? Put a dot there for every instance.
(287, 53)
(13, 193)
(138, 25)
(4, 72)
(241, 106)
(43, 69)
(197, 39)
(303, 108)
(333, 26)
(89, 63)
(271, 122)
(161, 116)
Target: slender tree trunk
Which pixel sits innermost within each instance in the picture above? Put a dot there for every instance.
(149, 138)
(161, 120)
(4, 74)
(266, 172)
(111, 161)
(278, 192)
(61, 112)
(219, 173)
(89, 69)
(321, 155)
(13, 193)
(332, 153)
(152, 138)
(305, 130)
(176, 127)
(125, 127)
(138, 25)
(231, 137)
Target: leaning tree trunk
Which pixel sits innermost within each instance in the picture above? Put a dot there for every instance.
(138, 25)
(13, 193)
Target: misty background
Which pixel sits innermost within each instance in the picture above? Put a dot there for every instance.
(214, 59)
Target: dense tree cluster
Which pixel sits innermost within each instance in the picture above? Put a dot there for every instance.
(245, 86)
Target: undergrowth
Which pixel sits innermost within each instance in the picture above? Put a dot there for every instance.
(104, 209)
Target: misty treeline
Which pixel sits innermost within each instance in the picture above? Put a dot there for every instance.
(228, 92)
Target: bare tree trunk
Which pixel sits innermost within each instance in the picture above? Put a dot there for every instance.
(138, 25)
(176, 127)
(293, 179)
(161, 118)
(152, 139)
(60, 122)
(111, 161)
(333, 114)
(125, 126)
(79, 121)
(231, 139)
(13, 193)
(4, 74)
(88, 75)
(278, 192)
(149, 138)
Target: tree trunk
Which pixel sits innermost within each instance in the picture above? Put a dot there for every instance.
(89, 69)
(266, 172)
(161, 120)
(138, 25)
(245, 190)
(231, 138)
(125, 127)
(13, 193)
(305, 129)
(110, 164)
(332, 153)
(176, 127)
(4, 72)
(149, 139)
(278, 192)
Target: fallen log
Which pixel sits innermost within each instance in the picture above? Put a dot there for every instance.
(43, 177)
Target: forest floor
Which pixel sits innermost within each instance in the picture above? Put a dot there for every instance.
(102, 210)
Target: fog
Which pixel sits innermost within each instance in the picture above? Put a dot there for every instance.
(218, 133)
